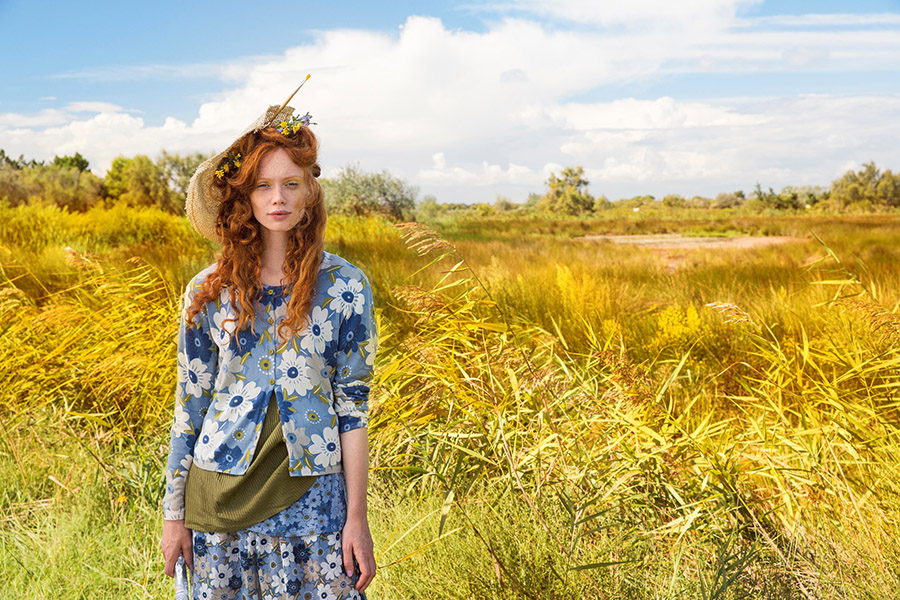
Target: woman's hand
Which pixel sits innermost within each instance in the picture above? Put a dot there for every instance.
(176, 541)
(356, 542)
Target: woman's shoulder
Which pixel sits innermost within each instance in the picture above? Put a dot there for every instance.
(333, 263)
(196, 282)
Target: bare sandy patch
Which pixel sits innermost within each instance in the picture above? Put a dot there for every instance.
(664, 243)
(675, 241)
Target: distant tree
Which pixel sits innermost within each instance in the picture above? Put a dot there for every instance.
(786, 200)
(18, 163)
(673, 201)
(115, 178)
(504, 204)
(64, 186)
(139, 181)
(178, 170)
(888, 189)
(699, 202)
(636, 202)
(428, 208)
(11, 186)
(725, 200)
(7, 161)
(807, 195)
(866, 188)
(568, 193)
(532, 199)
(482, 209)
(354, 192)
(602, 203)
(74, 162)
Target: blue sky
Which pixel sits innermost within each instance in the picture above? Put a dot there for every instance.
(468, 100)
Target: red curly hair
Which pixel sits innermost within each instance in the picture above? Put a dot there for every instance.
(240, 260)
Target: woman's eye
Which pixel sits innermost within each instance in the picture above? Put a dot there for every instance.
(262, 185)
(292, 184)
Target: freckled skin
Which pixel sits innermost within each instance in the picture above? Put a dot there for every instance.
(279, 187)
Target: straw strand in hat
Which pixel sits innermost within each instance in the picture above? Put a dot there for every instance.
(204, 198)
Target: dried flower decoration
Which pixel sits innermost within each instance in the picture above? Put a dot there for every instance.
(292, 126)
(229, 164)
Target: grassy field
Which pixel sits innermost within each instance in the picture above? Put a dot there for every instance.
(552, 418)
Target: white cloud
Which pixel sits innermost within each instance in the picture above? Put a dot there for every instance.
(486, 175)
(820, 20)
(44, 118)
(93, 107)
(498, 110)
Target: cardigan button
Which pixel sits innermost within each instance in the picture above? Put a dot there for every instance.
(271, 292)
(271, 352)
(271, 381)
(271, 321)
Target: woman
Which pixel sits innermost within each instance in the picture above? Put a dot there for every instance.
(267, 471)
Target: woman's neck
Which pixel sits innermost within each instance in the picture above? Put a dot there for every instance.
(274, 250)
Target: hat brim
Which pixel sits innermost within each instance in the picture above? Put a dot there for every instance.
(203, 197)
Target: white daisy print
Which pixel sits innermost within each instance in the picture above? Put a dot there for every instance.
(210, 438)
(294, 375)
(224, 323)
(347, 297)
(228, 366)
(194, 374)
(331, 569)
(293, 434)
(237, 401)
(324, 592)
(183, 422)
(326, 447)
(222, 575)
(371, 346)
(317, 331)
(184, 465)
(345, 407)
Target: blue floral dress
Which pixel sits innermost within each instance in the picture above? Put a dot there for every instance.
(295, 554)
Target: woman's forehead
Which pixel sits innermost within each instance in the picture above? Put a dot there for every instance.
(278, 164)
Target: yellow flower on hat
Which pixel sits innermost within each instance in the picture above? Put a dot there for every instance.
(220, 173)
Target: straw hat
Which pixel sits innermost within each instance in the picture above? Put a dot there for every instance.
(203, 198)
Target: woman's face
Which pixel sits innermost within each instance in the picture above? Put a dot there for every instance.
(279, 195)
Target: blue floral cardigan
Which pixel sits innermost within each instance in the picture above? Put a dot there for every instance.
(320, 378)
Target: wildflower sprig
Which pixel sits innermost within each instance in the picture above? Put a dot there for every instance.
(293, 125)
(229, 164)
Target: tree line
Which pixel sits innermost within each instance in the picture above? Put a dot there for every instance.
(162, 182)
(868, 189)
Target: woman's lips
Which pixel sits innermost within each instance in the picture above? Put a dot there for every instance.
(279, 215)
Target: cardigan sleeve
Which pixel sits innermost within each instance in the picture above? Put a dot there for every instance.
(197, 365)
(357, 345)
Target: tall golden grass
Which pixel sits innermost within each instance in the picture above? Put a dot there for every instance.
(807, 443)
(650, 434)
